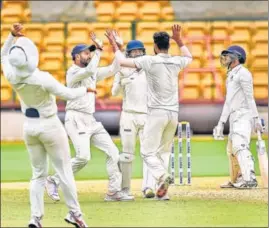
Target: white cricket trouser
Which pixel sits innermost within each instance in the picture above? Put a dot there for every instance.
(83, 129)
(239, 139)
(158, 135)
(47, 138)
(131, 125)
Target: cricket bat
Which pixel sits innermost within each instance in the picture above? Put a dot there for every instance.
(263, 159)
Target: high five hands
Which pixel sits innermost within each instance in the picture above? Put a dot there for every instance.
(114, 39)
(98, 43)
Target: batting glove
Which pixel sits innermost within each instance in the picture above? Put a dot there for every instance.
(259, 125)
(218, 131)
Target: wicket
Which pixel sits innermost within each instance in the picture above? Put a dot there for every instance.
(180, 154)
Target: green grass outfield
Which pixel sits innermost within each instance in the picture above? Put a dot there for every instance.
(208, 159)
(208, 210)
(203, 204)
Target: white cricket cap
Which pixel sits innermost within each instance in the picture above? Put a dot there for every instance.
(17, 57)
(23, 56)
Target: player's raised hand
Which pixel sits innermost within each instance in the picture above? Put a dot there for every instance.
(16, 30)
(111, 39)
(118, 39)
(176, 30)
(98, 43)
(110, 36)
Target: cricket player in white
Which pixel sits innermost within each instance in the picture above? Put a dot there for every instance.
(240, 106)
(162, 75)
(132, 84)
(44, 134)
(80, 123)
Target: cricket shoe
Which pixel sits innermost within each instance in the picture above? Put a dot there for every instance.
(246, 184)
(148, 193)
(163, 187)
(165, 197)
(119, 196)
(229, 184)
(35, 223)
(52, 189)
(127, 192)
(75, 219)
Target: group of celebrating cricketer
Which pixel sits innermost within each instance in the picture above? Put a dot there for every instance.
(149, 86)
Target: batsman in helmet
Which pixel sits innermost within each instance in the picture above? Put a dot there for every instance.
(162, 72)
(80, 123)
(240, 108)
(128, 82)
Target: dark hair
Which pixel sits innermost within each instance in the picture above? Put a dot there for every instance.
(161, 39)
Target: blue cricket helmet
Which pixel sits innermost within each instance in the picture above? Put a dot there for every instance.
(135, 44)
(82, 47)
(237, 50)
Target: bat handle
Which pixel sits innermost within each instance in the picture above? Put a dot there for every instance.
(259, 135)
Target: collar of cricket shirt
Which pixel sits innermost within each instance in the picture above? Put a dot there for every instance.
(234, 70)
(164, 55)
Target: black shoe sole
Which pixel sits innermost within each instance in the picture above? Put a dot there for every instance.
(32, 226)
(76, 225)
(227, 186)
(247, 187)
(160, 199)
(150, 196)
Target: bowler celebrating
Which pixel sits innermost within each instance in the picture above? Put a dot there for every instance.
(162, 75)
(132, 83)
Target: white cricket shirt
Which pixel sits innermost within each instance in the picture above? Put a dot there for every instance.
(239, 94)
(88, 77)
(132, 83)
(38, 90)
(162, 75)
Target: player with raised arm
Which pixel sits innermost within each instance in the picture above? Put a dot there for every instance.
(162, 72)
(132, 84)
(81, 125)
(43, 132)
